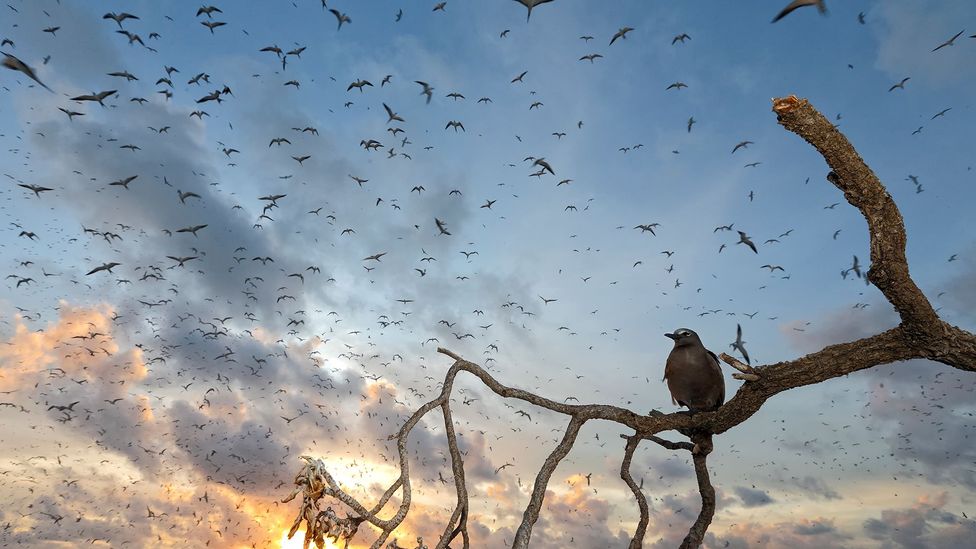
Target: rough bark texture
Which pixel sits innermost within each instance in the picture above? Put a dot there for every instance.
(921, 334)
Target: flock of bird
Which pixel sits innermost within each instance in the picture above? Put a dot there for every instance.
(240, 353)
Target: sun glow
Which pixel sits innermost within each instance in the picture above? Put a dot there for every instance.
(296, 541)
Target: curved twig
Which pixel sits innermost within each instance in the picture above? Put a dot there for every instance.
(632, 441)
(531, 513)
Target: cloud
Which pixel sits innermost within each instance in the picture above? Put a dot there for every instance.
(815, 487)
(576, 516)
(841, 326)
(814, 533)
(926, 524)
(752, 497)
(907, 34)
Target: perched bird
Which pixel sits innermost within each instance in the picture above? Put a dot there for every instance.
(795, 4)
(693, 373)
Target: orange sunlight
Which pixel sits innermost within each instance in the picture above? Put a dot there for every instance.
(296, 541)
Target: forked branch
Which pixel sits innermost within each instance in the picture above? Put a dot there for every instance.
(921, 334)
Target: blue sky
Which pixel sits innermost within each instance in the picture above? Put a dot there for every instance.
(805, 449)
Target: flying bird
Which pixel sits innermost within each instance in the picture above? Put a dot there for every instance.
(428, 91)
(744, 239)
(392, 115)
(341, 17)
(119, 17)
(529, 4)
(36, 189)
(441, 226)
(795, 4)
(104, 267)
(212, 25)
(98, 97)
(949, 42)
(900, 85)
(622, 33)
(739, 345)
(741, 145)
(15, 64)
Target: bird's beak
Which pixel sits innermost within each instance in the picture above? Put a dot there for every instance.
(672, 336)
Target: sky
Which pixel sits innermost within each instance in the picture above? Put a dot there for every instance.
(198, 387)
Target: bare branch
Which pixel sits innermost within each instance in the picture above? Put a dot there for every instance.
(632, 441)
(930, 335)
(861, 187)
(736, 363)
(671, 445)
(460, 515)
(703, 445)
(531, 514)
(921, 334)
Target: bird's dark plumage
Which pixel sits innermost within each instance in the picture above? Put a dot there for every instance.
(693, 373)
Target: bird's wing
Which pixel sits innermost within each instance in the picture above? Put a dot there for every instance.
(715, 363)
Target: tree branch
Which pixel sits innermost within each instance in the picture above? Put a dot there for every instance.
(703, 445)
(632, 441)
(531, 513)
(921, 334)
